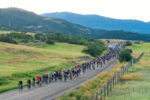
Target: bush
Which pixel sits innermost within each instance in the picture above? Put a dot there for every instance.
(94, 47)
(40, 36)
(129, 50)
(93, 50)
(50, 41)
(16, 38)
(125, 55)
(3, 81)
(137, 42)
(128, 43)
(7, 39)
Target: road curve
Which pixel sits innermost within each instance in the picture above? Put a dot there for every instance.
(55, 89)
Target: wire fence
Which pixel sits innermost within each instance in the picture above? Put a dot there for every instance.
(146, 53)
(107, 88)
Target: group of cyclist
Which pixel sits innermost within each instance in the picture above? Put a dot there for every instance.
(70, 73)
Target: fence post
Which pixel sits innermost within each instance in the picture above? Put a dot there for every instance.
(91, 98)
(96, 96)
(110, 84)
(101, 94)
(105, 90)
(108, 88)
(115, 78)
(113, 81)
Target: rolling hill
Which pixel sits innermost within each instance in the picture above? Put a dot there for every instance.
(101, 22)
(19, 19)
(25, 21)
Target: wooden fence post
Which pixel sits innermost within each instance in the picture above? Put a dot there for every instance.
(96, 96)
(101, 94)
(91, 98)
(113, 81)
(107, 88)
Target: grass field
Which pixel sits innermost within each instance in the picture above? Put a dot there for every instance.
(8, 32)
(20, 62)
(135, 84)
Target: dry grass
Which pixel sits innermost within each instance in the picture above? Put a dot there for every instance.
(92, 86)
(135, 85)
(132, 76)
(113, 40)
(8, 32)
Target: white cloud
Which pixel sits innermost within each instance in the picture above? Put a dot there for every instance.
(124, 9)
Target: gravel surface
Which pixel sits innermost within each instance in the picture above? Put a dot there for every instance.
(55, 89)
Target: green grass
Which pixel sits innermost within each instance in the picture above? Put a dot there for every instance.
(142, 47)
(20, 62)
(135, 89)
(92, 86)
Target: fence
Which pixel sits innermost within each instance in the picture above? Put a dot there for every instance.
(107, 88)
(146, 53)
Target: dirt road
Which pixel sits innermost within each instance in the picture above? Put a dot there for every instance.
(55, 89)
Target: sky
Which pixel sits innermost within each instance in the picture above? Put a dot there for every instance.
(120, 9)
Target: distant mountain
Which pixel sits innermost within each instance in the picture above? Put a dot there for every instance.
(19, 19)
(22, 20)
(100, 22)
(125, 36)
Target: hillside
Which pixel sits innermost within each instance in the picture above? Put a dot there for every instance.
(19, 62)
(22, 20)
(124, 35)
(101, 22)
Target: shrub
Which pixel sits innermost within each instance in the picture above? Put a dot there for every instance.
(128, 43)
(3, 81)
(94, 48)
(137, 42)
(50, 41)
(40, 36)
(125, 55)
(16, 37)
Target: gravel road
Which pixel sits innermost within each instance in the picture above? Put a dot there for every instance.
(55, 89)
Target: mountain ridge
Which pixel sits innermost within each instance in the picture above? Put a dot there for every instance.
(102, 22)
(19, 19)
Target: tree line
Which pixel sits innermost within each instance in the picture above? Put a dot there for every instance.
(94, 47)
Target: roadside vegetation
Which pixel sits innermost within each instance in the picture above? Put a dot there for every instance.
(135, 83)
(125, 55)
(92, 86)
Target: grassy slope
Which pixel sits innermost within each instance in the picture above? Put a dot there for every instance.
(135, 89)
(17, 61)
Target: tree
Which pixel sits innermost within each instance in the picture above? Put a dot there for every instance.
(125, 55)
(40, 36)
(93, 49)
(49, 41)
(128, 43)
